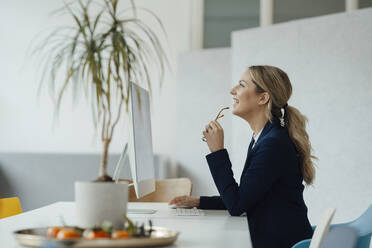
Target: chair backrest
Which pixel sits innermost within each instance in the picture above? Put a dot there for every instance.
(340, 237)
(165, 190)
(363, 224)
(9, 207)
(322, 228)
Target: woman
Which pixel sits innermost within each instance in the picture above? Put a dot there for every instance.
(279, 159)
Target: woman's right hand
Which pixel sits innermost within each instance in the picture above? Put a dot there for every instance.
(187, 201)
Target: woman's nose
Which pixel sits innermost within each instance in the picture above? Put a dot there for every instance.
(232, 91)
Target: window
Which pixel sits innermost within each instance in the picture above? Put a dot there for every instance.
(221, 17)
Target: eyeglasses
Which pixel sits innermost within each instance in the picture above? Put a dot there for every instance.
(217, 117)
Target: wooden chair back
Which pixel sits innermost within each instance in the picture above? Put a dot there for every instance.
(165, 190)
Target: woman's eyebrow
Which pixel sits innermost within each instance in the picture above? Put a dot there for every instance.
(243, 81)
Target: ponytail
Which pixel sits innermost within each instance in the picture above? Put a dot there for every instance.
(296, 125)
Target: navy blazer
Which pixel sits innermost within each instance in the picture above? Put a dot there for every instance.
(270, 190)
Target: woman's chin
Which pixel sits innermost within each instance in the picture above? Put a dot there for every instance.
(234, 111)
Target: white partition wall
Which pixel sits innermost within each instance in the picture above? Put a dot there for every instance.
(202, 90)
(329, 61)
(27, 123)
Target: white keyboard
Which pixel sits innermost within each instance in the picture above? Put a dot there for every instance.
(188, 212)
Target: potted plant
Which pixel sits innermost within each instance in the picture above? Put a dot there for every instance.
(102, 52)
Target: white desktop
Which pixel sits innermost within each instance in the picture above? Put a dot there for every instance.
(141, 156)
(138, 151)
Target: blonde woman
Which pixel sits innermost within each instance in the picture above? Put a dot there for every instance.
(279, 159)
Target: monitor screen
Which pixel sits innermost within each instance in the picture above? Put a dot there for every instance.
(140, 146)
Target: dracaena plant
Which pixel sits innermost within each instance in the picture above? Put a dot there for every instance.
(101, 52)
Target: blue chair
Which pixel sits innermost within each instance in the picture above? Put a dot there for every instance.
(340, 237)
(363, 226)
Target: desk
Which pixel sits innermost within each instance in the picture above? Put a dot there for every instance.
(216, 229)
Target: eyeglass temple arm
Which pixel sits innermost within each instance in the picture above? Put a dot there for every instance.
(221, 112)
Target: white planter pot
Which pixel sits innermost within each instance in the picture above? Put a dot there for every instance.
(97, 202)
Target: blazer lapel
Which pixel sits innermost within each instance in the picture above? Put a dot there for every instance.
(269, 125)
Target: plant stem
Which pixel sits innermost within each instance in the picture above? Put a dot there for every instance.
(103, 167)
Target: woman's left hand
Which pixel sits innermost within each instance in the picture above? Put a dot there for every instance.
(213, 133)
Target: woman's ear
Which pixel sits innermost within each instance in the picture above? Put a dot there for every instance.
(264, 98)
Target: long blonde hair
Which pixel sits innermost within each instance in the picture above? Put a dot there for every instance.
(276, 82)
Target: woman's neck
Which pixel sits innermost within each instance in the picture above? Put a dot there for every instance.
(257, 122)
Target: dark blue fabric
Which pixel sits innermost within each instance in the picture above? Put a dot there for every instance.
(250, 146)
(270, 190)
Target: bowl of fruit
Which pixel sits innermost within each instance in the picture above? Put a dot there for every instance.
(132, 235)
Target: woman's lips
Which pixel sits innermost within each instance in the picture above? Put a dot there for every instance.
(236, 102)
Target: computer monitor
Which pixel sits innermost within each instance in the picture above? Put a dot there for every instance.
(140, 152)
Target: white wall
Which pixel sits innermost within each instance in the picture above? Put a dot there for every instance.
(203, 89)
(27, 122)
(328, 60)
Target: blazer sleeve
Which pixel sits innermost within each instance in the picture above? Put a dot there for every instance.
(211, 202)
(265, 168)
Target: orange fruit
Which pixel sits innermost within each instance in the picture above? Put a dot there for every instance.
(53, 231)
(121, 234)
(95, 234)
(67, 233)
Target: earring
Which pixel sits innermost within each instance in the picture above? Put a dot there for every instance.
(282, 118)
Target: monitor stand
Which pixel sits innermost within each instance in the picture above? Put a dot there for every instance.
(119, 165)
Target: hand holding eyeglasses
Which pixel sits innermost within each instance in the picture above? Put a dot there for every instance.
(213, 133)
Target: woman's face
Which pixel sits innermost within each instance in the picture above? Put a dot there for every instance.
(246, 99)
